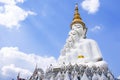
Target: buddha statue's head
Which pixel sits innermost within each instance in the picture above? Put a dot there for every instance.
(78, 24)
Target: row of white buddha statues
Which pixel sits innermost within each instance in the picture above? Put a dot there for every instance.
(74, 72)
(76, 76)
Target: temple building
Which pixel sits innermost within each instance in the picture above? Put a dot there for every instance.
(80, 58)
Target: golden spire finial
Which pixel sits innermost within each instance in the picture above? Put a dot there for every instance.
(77, 18)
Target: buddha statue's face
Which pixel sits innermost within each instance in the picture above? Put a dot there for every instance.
(78, 28)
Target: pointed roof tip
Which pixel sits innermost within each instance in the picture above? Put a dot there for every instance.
(77, 18)
(18, 75)
(36, 66)
(76, 5)
(76, 8)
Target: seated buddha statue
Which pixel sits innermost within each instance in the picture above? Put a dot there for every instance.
(78, 48)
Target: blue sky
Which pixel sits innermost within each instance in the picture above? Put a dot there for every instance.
(40, 28)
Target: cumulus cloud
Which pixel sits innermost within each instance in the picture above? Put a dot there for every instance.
(14, 61)
(91, 6)
(96, 28)
(11, 15)
(11, 70)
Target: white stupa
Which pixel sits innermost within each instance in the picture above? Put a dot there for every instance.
(80, 58)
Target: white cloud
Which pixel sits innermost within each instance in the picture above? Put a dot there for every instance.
(11, 70)
(13, 61)
(11, 15)
(91, 6)
(96, 28)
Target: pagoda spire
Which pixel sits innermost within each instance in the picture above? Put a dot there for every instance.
(77, 18)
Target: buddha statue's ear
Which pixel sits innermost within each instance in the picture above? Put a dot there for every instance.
(84, 33)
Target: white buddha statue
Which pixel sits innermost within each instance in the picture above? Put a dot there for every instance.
(80, 57)
(78, 48)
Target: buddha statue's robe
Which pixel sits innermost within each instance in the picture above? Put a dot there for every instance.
(85, 50)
